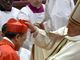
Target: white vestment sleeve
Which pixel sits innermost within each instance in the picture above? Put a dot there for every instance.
(24, 54)
(41, 39)
(44, 41)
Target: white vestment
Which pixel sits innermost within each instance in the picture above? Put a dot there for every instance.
(52, 47)
(58, 12)
(24, 54)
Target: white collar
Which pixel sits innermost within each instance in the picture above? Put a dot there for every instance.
(8, 40)
(74, 38)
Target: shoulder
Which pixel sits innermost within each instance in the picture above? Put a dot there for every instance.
(43, 5)
(26, 8)
(6, 49)
(15, 9)
(8, 53)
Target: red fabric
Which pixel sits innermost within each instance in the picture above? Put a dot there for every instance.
(7, 51)
(14, 25)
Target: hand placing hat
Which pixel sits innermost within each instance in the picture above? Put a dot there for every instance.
(30, 26)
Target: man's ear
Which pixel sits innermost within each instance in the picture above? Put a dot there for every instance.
(17, 36)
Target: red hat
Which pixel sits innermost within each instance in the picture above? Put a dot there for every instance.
(17, 26)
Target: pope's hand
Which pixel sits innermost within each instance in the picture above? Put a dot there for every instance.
(31, 26)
